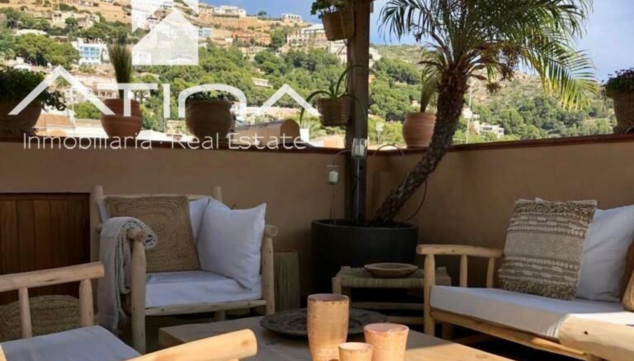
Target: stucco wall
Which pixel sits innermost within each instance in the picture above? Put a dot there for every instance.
(471, 196)
(293, 185)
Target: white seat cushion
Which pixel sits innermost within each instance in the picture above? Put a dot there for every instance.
(84, 344)
(533, 314)
(196, 287)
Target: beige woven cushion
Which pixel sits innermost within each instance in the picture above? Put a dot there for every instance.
(49, 314)
(544, 247)
(628, 297)
(169, 218)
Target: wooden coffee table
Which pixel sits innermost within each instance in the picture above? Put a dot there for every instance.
(272, 347)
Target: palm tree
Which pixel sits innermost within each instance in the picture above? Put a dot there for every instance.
(487, 40)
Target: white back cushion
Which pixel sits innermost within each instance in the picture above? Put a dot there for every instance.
(230, 242)
(604, 254)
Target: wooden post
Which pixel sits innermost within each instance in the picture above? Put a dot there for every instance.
(96, 195)
(216, 193)
(25, 313)
(86, 307)
(138, 279)
(358, 82)
(268, 269)
(491, 273)
(464, 271)
(430, 280)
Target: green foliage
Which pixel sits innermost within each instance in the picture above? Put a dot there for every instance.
(278, 38)
(327, 6)
(86, 110)
(15, 85)
(622, 82)
(116, 32)
(121, 60)
(67, 8)
(40, 50)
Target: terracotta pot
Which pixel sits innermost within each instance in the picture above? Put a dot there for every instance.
(418, 129)
(22, 123)
(118, 125)
(334, 111)
(209, 119)
(389, 341)
(328, 317)
(355, 351)
(339, 25)
(624, 111)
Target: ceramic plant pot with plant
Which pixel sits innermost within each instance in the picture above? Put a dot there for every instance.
(208, 116)
(337, 17)
(119, 125)
(15, 86)
(621, 89)
(334, 104)
(418, 128)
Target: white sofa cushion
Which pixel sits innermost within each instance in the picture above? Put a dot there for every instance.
(604, 254)
(195, 287)
(83, 344)
(230, 242)
(196, 212)
(537, 315)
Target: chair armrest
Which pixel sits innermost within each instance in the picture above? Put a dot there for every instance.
(268, 268)
(456, 250)
(134, 234)
(600, 339)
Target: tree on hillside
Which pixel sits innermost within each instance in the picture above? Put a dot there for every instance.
(71, 24)
(278, 38)
(40, 50)
(466, 37)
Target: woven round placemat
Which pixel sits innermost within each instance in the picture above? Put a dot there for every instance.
(293, 323)
(49, 314)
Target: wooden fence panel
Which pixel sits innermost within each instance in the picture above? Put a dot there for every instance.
(43, 231)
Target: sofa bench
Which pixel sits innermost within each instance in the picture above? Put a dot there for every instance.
(529, 320)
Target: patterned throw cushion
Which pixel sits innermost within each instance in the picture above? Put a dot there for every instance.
(169, 218)
(544, 247)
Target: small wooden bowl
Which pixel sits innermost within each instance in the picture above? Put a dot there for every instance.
(391, 270)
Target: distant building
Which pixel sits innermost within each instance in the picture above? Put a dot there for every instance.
(91, 53)
(292, 17)
(229, 11)
(340, 49)
(483, 128)
(205, 33)
(251, 51)
(84, 20)
(312, 36)
(261, 83)
(30, 32)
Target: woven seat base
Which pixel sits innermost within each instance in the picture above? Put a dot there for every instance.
(49, 314)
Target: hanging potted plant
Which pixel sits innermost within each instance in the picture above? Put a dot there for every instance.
(337, 17)
(208, 116)
(621, 89)
(119, 125)
(335, 103)
(15, 86)
(418, 128)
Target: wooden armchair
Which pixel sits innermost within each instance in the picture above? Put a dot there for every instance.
(22, 282)
(137, 297)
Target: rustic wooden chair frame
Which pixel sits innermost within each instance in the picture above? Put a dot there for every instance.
(599, 340)
(449, 319)
(136, 299)
(22, 282)
(229, 347)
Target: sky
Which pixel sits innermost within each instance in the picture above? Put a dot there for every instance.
(609, 41)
